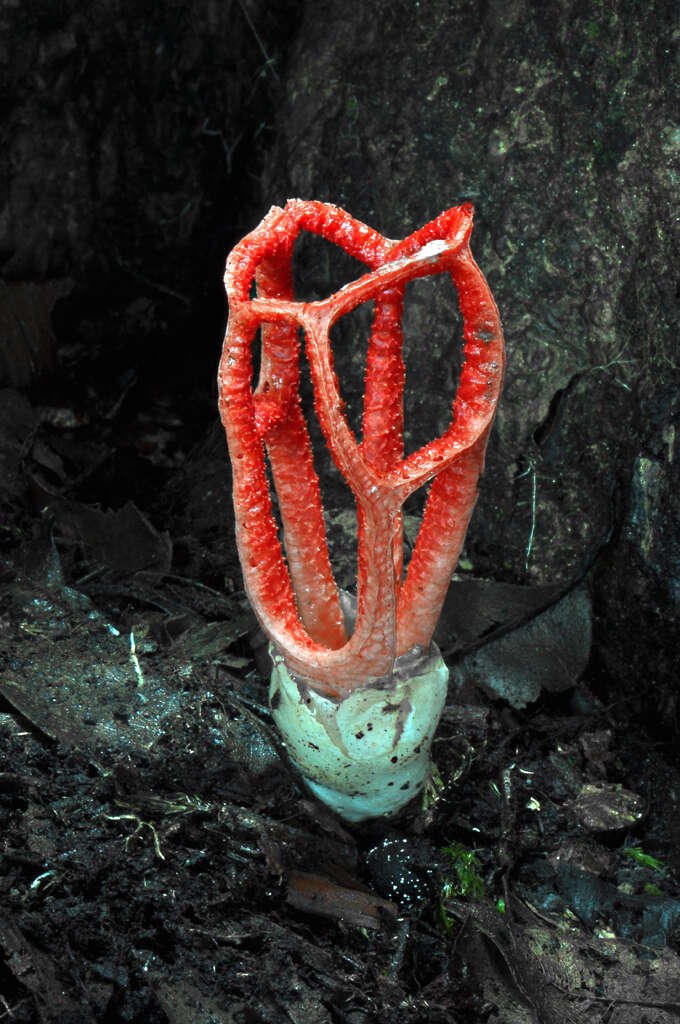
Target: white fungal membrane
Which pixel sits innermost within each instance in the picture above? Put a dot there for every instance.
(368, 754)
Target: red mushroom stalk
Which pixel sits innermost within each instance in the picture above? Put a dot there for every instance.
(295, 597)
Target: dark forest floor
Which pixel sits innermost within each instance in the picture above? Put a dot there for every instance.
(160, 861)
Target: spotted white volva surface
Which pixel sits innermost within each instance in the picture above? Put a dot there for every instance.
(368, 754)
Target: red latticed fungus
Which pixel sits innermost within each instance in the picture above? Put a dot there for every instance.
(357, 694)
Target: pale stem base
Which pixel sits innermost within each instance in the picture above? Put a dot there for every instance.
(367, 755)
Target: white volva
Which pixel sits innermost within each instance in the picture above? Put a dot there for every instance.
(368, 754)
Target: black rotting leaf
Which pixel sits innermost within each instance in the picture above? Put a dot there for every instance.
(476, 611)
(123, 542)
(648, 918)
(532, 640)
